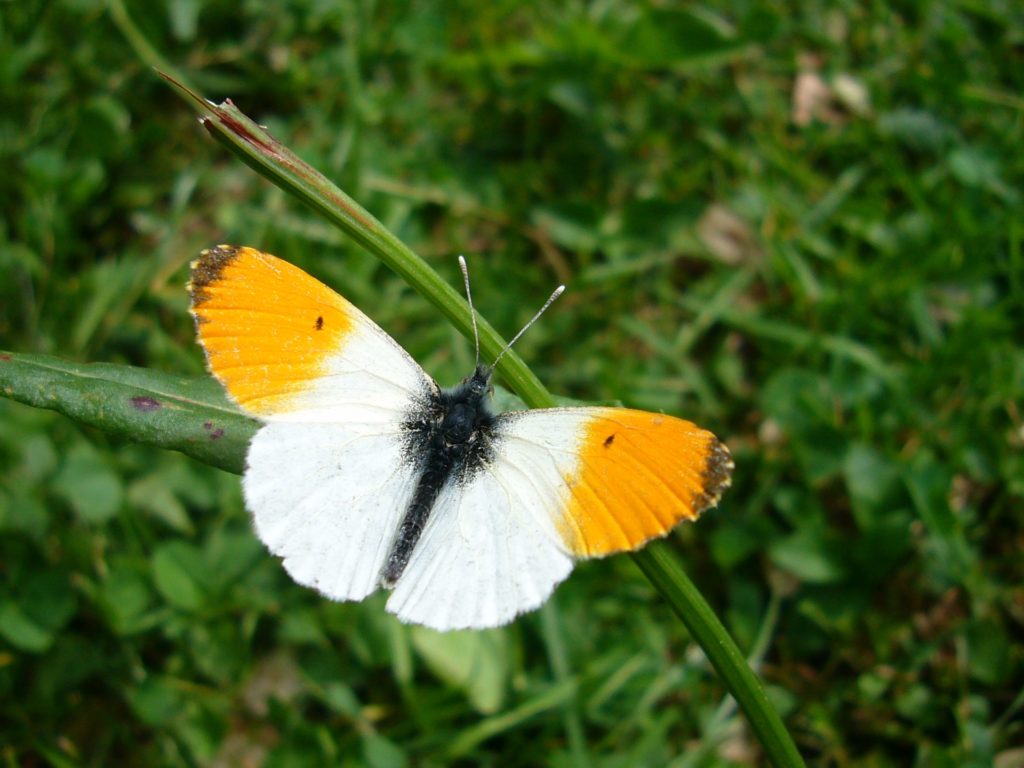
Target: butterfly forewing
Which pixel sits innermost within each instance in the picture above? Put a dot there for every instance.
(287, 347)
(620, 477)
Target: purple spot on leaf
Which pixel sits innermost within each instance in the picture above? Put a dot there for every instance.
(145, 403)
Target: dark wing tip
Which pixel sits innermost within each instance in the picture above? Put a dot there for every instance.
(207, 270)
(717, 476)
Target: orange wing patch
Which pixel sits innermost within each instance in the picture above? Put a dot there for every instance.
(639, 475)
(266, 326)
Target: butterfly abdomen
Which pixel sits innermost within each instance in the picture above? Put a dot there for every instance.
(450, 437)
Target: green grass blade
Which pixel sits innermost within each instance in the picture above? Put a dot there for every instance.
(275, 162)
(660, 564)
(556, 696)
(194, 416)
(176, 412)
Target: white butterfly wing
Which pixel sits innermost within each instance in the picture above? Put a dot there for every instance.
(328, 500)
(487, 554)
(326, 479)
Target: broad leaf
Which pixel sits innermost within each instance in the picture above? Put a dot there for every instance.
(191, 415)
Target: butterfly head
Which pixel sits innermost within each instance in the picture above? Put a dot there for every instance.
(479, 383)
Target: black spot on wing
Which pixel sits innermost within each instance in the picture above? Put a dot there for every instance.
(319, 324)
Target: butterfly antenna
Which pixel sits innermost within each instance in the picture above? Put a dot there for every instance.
(472, 309)
(551, 300)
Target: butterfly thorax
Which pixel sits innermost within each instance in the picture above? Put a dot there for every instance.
(464, 413)
(448, 436)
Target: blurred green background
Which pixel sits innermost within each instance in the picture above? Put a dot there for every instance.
(799, 226)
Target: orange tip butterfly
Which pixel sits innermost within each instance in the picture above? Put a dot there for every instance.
(366, 475)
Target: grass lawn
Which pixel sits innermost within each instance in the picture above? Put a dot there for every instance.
(799, 226)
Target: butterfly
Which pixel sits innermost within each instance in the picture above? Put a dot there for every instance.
(365, 474)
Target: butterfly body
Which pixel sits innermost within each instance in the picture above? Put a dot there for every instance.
(367, 475)
(448, 439)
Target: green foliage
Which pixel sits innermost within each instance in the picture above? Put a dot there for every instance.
(840, 297)
(191, 415)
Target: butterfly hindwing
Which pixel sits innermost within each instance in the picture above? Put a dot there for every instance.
(328, 498)
(481, 560)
